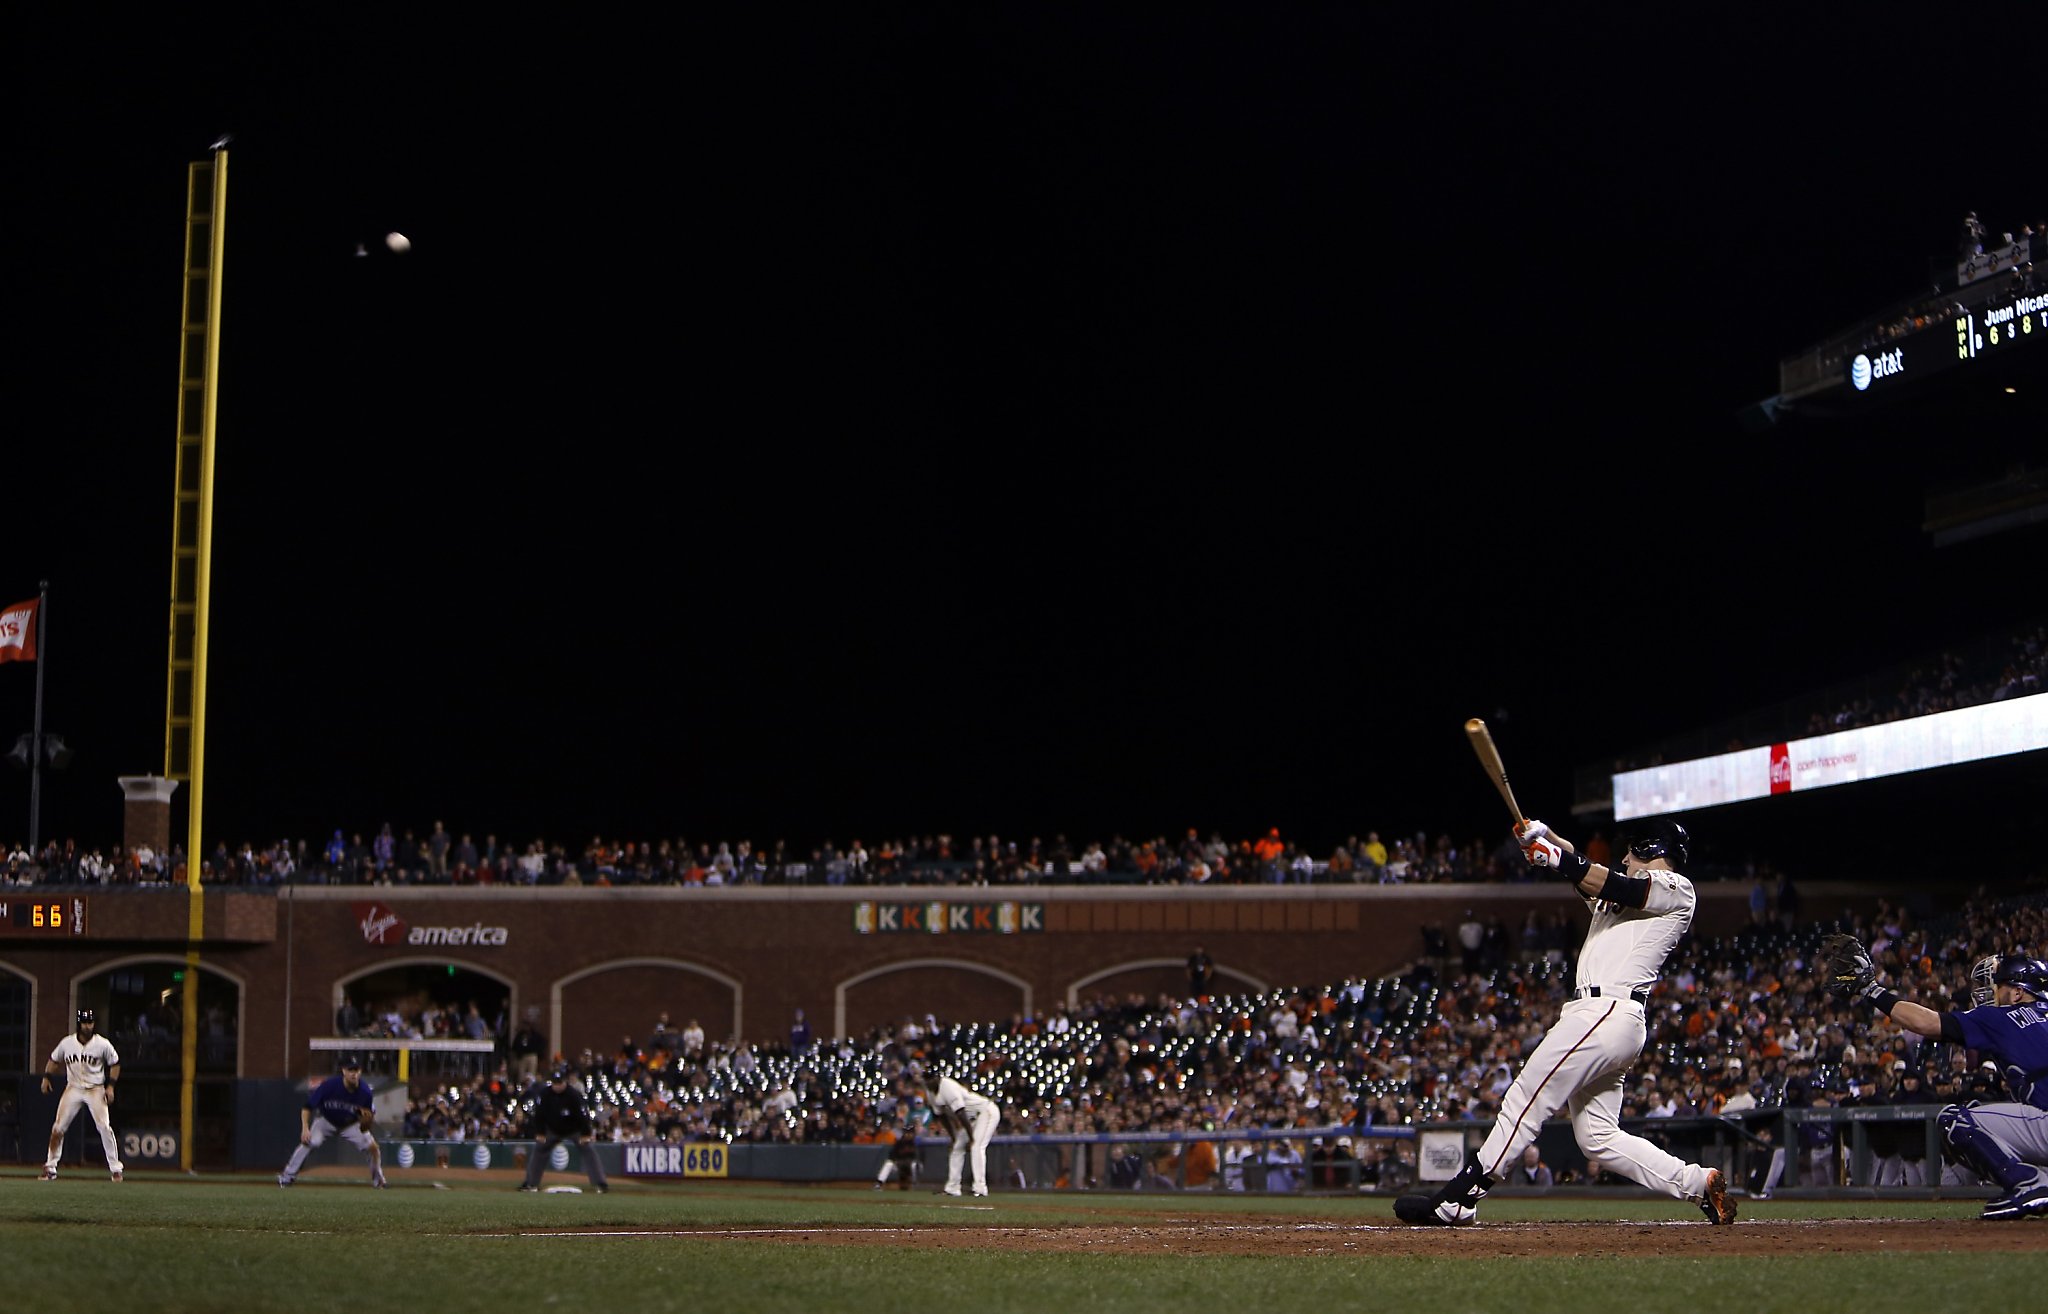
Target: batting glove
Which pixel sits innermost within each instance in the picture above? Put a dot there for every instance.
(1543, 852)
(1530, 831)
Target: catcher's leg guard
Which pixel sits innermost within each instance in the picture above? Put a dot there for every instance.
(1981, 1150)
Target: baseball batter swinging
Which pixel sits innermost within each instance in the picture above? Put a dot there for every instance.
(90, 1067)
(1639, 912)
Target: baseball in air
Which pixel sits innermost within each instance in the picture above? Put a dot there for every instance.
(398, 242)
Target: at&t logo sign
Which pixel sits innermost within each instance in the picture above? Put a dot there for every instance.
(1863, 371)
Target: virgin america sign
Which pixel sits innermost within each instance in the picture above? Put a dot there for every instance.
(381, 925)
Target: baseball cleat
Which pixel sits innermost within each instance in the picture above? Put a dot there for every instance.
(947, 1190)
(981, 1193)
(1428, 1211)
(1717, 1204)
(2029, 1203)
(534, 1189)
(49, 1175)
(282, 1180)
(115, 1177)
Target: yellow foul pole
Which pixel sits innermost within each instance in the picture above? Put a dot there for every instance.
(191, 573)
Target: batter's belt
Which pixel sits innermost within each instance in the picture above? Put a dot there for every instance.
(1611, 992)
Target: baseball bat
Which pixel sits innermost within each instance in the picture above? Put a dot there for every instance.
(1489, 757)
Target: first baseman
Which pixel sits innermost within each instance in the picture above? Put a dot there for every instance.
(2005, 1141)
(340, 1106)
(91, 1068)
(1639, 912)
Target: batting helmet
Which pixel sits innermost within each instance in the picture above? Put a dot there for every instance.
(1661, 839)
(87, 1018)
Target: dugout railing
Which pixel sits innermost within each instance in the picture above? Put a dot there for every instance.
(1888, 1151)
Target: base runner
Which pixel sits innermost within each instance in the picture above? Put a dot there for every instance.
(1639, 912)
(90, 1068)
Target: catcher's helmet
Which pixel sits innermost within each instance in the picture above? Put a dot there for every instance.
(2028, 974)
(1661, 839)
(87, 1018)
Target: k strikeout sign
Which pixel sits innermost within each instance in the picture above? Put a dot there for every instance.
(942, 918)
(18, 633)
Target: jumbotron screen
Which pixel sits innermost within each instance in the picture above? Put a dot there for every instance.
(1923, 743)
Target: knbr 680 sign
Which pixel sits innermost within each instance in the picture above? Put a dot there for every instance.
(705, 1160)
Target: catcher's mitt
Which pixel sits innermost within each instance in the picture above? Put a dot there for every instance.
(1845, 966)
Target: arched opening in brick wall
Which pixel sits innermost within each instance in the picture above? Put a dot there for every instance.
(949, 989)
(599, 1006)
(1153, 977)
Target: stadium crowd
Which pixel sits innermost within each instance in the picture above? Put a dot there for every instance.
(1738, 1023)
(436, 856)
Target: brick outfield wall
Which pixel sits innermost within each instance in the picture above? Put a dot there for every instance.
(602, 963)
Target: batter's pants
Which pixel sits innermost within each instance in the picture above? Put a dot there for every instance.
(1579, 1068)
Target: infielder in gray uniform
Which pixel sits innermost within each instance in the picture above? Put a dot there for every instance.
(1639, 912)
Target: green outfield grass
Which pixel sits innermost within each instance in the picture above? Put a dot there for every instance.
(171, 1245)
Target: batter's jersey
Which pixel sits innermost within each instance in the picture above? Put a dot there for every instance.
(334, 1101)
(85, 1064)
(952, 1097)
(2017, 1037)
(1625, 948)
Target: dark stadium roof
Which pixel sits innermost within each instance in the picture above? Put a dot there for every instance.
(976, 418)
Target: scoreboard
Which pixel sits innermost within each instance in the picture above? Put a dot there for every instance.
(42, 916)
(1959, 344)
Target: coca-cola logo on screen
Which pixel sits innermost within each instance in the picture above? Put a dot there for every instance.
(1781, 768)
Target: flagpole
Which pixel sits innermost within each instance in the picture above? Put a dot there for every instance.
(35, 755)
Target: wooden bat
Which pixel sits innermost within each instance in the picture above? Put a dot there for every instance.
(1489, 757)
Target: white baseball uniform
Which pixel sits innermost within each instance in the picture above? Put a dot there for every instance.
(1598, 1036)
(85, 1087)
(970, 1142)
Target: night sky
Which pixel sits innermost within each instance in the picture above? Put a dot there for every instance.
(964, 419)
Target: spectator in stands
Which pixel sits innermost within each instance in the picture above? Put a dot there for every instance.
(1471, 941)
(1790, 905)
(1283, 1166)
(1531, 1173)
(529, 1047)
